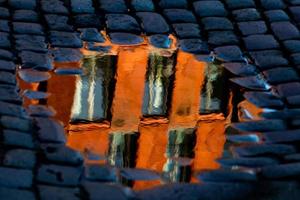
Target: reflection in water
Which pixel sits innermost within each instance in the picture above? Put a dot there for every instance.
(103, 112)
(212, 94)
(158, 81)
(122, 149)
(180, 144)
(92, 94)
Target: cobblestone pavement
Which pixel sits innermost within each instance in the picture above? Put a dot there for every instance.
(257, 40)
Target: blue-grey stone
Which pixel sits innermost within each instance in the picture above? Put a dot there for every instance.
(153, 22)
(18, 139)
(193, 46)
(33, 60)
(12, 109)
(210, 9)
(7, 66)
(104, 191)
(67, 55)
(23, 4)
(209, 58)
(242, 138)
(288, 136)
(293, 46)
(260, 42)
(179, 16)
(288, 89)
(207, 191)
(276, 15)
(292, 157)
(281, 114)
(6, 55)
(59, 175)
(223, 175)
(293, 100)
(37, 95)
(265, 149)
(58, 153)
(238, 4)
(4, 40)
(10, 95)
(65, 39)
(41, 111)
(54, 7)
(160, 41)
(281, 75)
(252, 82)
(50, 131)
(272, 4)
(47, 192)
(16, 194)
(91, 46)
(291, 170)
(87, 21)
(139, 174)
(58, 22)
(69, 71)
(33, 76)
(142, 5)
(187, 30)
(28, 28)
(295, 12)
(31, 43)
(261, 125)
(20, 158)
(97, 172)
(122, 22)
(4, 26)
(252, 27)
(268, 59)
(219, 38)
(15, 178)
(295, 57)
(241, 69)
(229, 53)
(248, 162)
(7, 78)
(264, 99)
(285, 30)
(25, 16)
(10, 122)
(91, 35)
(164, 4)
(82, 6)
(113, 6)
(216, 23)
(247, 14)
(125, 38)
(4, 13)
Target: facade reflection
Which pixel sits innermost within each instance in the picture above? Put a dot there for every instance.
(104, 112)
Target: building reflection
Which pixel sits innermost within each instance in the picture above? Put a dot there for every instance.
(104, 109)
(181, 144)
(93, 89)
(159, 79)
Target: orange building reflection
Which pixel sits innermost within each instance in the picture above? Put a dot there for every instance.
(151, 139)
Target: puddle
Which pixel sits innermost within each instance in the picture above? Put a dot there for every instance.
(144, 108)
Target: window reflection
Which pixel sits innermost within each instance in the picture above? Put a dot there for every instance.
(158, 82)
(92, 96)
